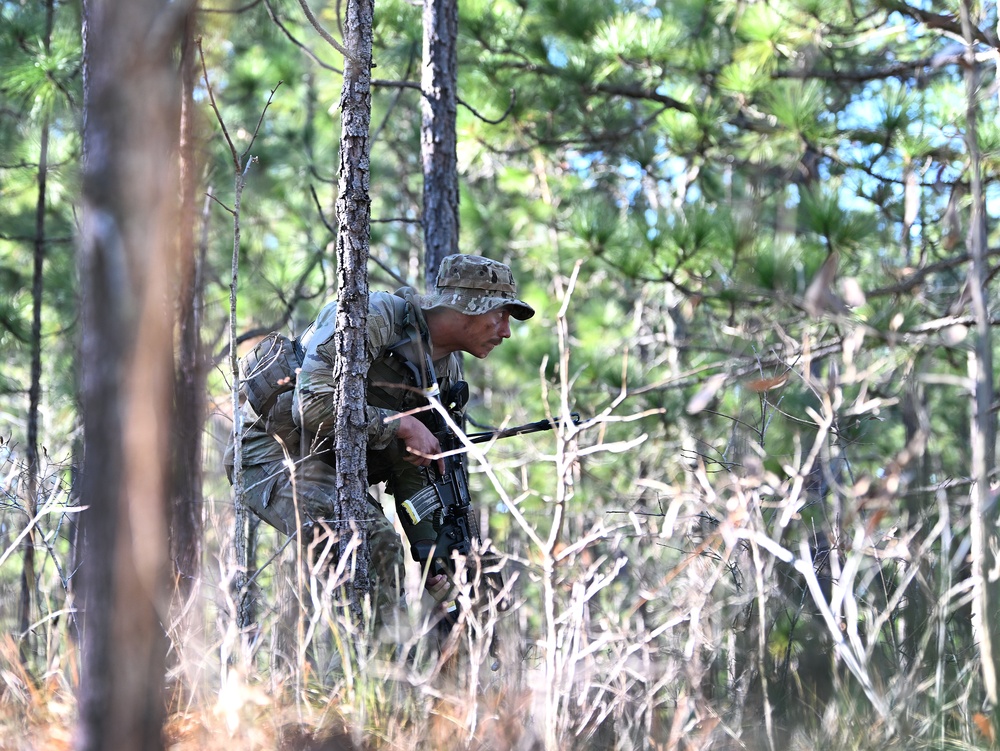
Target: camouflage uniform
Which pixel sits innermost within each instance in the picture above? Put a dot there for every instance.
(287, 500)
(397, 339)
(300, 425)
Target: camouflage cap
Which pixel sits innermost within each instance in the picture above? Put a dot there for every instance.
(475, 285)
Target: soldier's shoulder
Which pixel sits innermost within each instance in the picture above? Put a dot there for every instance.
(388, 304)
(321, 331)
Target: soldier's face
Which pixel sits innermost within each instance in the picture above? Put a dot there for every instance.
(483, 333)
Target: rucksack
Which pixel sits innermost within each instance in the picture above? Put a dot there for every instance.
(269, 370)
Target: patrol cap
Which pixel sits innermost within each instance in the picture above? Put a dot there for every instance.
(475, 285)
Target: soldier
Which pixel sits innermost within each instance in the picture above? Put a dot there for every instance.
(414, 343)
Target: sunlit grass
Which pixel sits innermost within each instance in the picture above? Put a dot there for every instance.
(695, 629)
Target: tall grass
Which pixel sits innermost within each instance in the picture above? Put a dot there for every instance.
(698, 626)
(720, 609)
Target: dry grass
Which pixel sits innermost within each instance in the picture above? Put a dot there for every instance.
(653, 675)
(690, 622)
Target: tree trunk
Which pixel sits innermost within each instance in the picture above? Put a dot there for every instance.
(984, 514)
(244, 527)
(437, 134)
(353, 239)
(35, 387)
(243, 539)
(127, 274)
(189, 382)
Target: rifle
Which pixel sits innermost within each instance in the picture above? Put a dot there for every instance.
(447, 500)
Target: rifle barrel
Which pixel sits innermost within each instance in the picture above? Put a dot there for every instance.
(531, 427)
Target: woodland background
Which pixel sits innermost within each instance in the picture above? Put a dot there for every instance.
(759, 238)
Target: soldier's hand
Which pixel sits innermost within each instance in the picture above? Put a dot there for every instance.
(421, 444)
(439, 587)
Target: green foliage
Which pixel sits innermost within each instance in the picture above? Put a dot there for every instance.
(744, 77)
(841, 230)
(39, 88)
(800, 107)
(762, 23)
(776, 268)
(630, 36)
(594, 221)
(39, 82)
(572, 19)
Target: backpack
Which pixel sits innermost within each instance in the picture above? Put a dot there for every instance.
(269, 370)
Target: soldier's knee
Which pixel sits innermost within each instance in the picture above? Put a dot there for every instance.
(386, 556)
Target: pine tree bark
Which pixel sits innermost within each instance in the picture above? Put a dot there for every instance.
(189, 382)
(353, 242)
(437, 135)
(126, 264)
(35, 387)
(243, 537)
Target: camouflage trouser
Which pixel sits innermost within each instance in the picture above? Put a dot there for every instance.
(304, 500)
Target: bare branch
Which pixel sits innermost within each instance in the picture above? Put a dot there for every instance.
(333, 231)
(309, 53)
(326, 34)
(261, 120)
(215, 108)
(510, 108)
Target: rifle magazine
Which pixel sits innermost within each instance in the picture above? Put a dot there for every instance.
(422, 504)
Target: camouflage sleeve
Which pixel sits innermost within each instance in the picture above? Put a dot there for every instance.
(315, 406)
